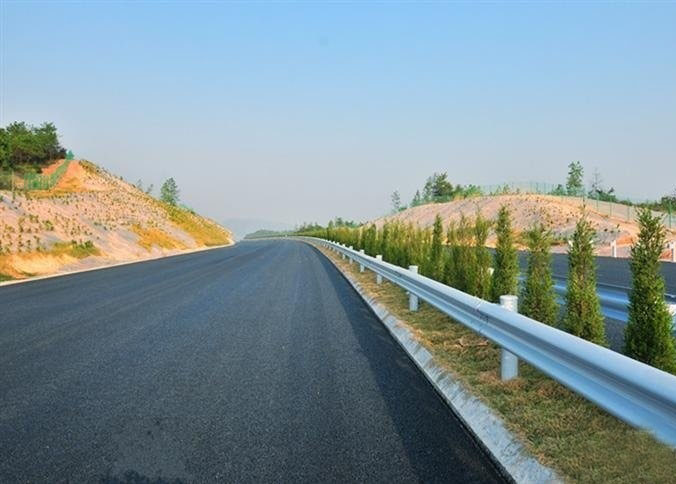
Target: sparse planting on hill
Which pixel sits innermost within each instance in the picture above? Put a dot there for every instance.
(92, 217)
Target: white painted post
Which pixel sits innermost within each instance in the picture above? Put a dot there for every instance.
(379, 278)
(673, 251)
(361, 266)
(412, 299)
(509, 363)
(613, 249)
(350, 247)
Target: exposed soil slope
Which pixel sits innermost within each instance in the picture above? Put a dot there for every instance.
(93, 218)
(557, 213)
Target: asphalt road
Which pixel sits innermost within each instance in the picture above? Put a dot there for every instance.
(251, 363)
(612, 271)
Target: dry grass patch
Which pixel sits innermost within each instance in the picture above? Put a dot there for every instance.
(150, 236)
(37, 262)
(204, 231)
(581, 441)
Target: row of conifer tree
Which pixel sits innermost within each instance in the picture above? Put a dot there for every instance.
(456, 255)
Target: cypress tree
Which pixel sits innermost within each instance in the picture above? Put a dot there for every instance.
(506, 273)
(648, 335)
(450, 271)
(482, 259)
(436, 267)
(464, 262)
(538, 300)
(583, 316)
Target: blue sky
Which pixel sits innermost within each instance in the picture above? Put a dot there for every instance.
(302, 111)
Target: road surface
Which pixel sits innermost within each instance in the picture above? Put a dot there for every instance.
(251, 363)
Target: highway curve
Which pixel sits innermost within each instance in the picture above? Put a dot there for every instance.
(251, 363)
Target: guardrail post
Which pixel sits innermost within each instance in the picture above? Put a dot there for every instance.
(412, 298)
(509, 363)
(613, 248)
(379, 278)
(349, 256)
(673, 251)
(361, 266)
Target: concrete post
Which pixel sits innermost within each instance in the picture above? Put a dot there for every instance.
(412, 299)
(350, 258)
(509, 363)
(361, 266)
(613, 248)
(379, 278)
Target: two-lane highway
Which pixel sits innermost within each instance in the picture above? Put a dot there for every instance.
(251, 363)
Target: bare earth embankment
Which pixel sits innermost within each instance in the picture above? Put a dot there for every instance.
(557, 213)
(92, 218)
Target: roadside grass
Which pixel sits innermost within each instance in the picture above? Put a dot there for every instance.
(5, 277)
(79, 250)
(204, 232)
(564, 431)
(150, 236)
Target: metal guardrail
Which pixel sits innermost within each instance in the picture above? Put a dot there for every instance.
(632, 391)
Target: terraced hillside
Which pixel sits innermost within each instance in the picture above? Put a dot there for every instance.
(92, 218)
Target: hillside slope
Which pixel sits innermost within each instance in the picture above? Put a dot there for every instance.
(557, 213)
(93, 218)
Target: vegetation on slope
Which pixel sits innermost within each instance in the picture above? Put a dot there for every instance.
(203, 231)
(150, 237)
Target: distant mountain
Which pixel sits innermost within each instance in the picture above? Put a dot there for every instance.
(243, 226)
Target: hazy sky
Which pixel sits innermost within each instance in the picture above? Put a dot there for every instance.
(302, 111)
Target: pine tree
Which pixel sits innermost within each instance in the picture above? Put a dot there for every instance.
(417, 199)
(538, 300)
(506, 273)
(648, 335)
(583, 316)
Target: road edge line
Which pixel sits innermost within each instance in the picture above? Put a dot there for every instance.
(489, 430)
(12, 282)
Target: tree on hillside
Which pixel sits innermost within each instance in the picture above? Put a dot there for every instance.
(597, 192)
(21, 144)
(648, 335)
(583, 316)
(506, 273)
(150, 189)
(437, 188)
(169, 192)
(417, 199)
(574, 182)
(538, 300)
(139, 184)
(396, 201)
